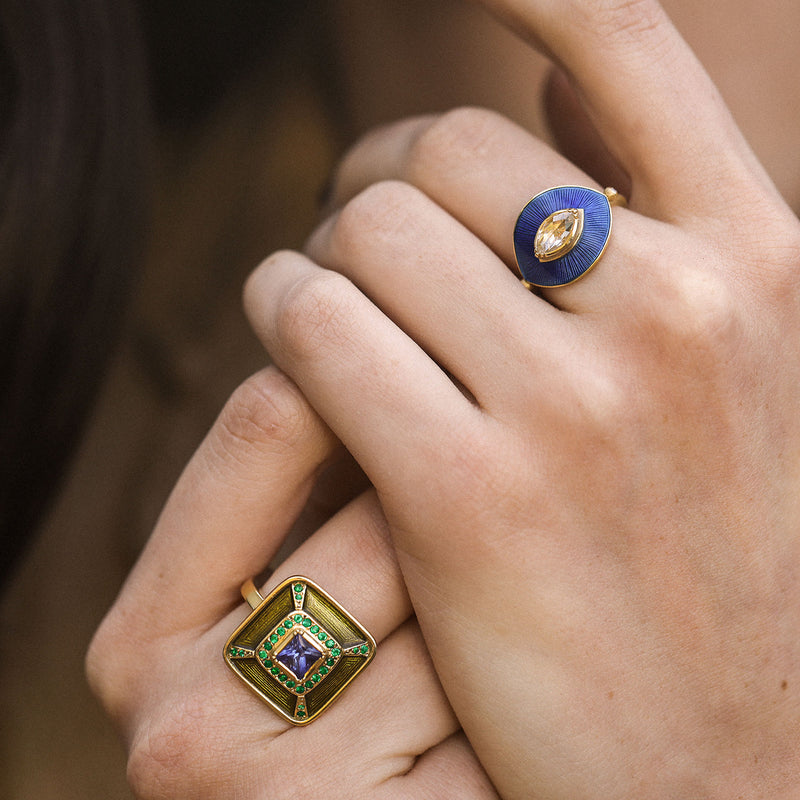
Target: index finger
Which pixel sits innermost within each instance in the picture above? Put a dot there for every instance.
(231, 508)
(655, 106)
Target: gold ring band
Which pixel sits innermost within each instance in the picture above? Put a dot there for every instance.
(253, 597)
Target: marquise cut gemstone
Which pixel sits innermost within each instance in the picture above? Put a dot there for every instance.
(299, 656)
(558, 234)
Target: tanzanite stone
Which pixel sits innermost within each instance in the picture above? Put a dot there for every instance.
(299, 656)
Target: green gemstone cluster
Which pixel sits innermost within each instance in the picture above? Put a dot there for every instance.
(299, 622)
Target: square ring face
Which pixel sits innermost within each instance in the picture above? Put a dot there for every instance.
(299, 649)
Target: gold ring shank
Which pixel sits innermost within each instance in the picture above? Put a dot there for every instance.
(253, 597)
(615, 198)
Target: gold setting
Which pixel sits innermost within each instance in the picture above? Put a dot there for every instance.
(558, 234)
(297, 608)
(615, 199)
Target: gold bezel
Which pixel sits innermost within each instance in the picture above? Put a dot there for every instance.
(298, 606)
(568, 243)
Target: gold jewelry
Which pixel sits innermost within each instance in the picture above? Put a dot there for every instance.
(298, 649)
(562, 233)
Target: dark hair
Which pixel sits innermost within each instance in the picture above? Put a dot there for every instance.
(73, 139)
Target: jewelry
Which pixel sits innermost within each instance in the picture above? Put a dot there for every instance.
(562, 233)
(298, 649)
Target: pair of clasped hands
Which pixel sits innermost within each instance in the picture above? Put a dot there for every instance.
(580, 555)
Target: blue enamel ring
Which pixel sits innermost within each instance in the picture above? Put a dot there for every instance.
(562, 233)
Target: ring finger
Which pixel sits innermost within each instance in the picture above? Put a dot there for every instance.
(482, 169)
(377, 719)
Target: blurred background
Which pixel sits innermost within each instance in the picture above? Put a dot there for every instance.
(214, 128)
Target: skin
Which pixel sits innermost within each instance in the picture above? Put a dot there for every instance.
(191, 728)
(601, 551)
(592, 493)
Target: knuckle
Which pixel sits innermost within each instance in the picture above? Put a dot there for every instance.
(171, 755)
(264, 412)
(456, 138)
(699, 321)
(375, 217)
(708, 314)
(314, 314)
(628, 19)
(604, 404)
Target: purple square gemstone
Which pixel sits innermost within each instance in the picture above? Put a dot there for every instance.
(299, 656)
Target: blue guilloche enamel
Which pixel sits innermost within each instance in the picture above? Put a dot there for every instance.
(590, 246)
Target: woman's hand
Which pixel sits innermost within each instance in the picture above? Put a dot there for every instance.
(192, 728)
(593, 494)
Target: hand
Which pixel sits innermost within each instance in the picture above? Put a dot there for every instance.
(593, 494)
(192, 728)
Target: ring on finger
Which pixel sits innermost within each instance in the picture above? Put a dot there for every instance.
(562, 232)
(298, 649)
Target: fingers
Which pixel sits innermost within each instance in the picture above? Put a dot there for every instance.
(192, 723)
(352, 558)
(576, 137)
(396, 710)
(482, 169)
(231, 508)
(476, 164)
(651, 100)
(434, 279)
(378, 390)
(448, 770)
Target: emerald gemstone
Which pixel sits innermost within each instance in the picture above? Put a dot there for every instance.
(267, 663)
(290, 684)
(306, 623)
(274, 670)
(330, 643)
(298, 617)
(336, 651)
(300, 688)
(273, 638)
(323, 671)
(315, 629)
(316, 678)
(322, 636)
(298, 587)
(330, 662)
(281, 631)
(309, 685)
(301, 714)
(262, 653)
(282, 677)
(364, 649)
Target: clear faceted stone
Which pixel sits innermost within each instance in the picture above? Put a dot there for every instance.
(557, 234)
